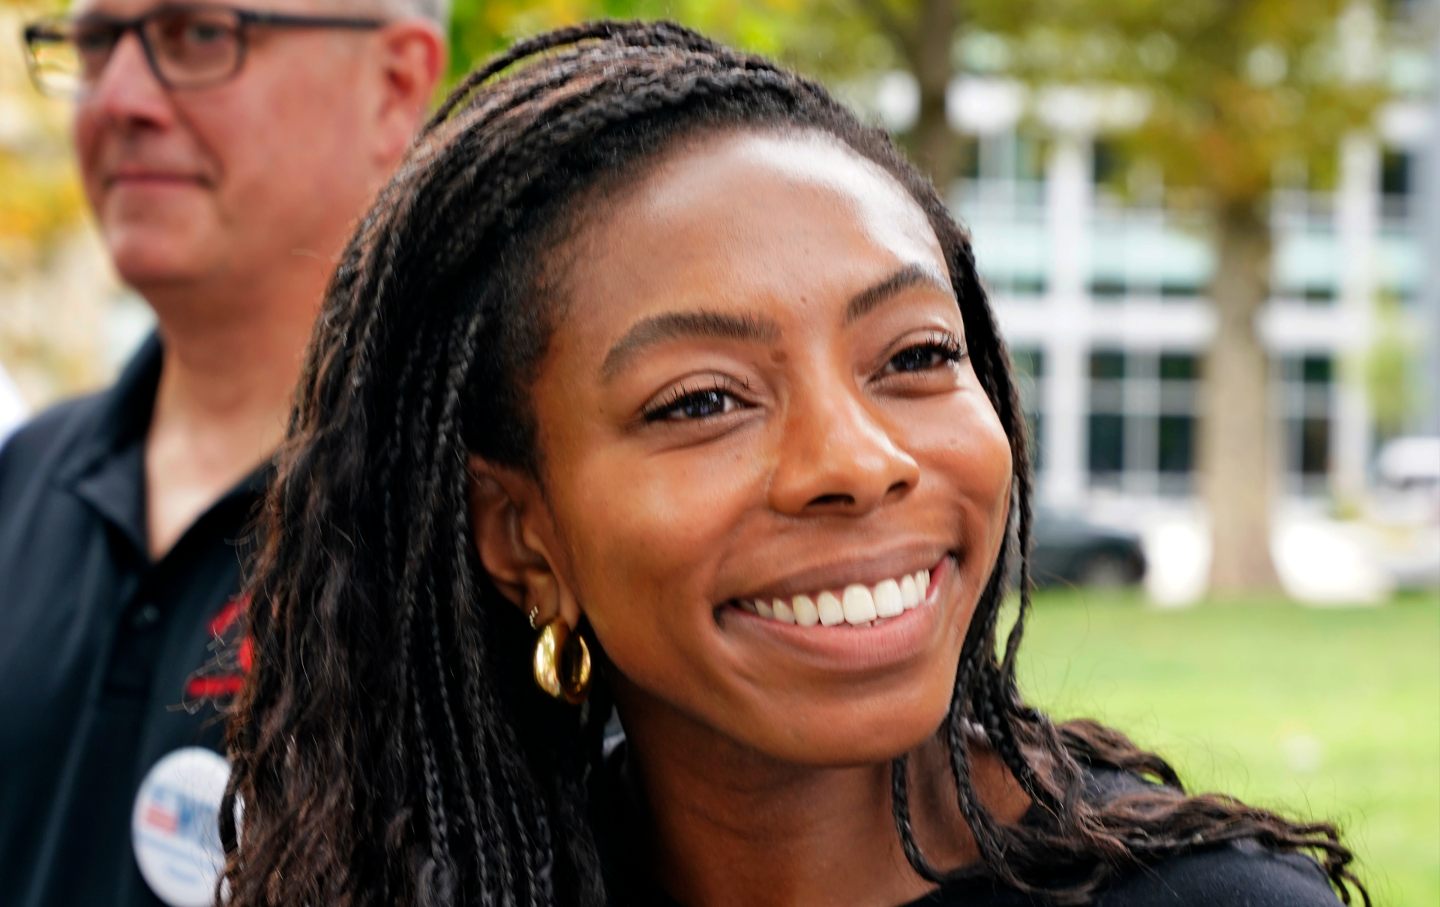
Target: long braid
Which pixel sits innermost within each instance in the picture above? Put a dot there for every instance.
(494, 876)
(900, 800)
(530, 831)
(435, 875)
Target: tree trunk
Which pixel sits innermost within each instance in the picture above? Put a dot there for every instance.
(926, 42)
(1238, 432)
(936, 149)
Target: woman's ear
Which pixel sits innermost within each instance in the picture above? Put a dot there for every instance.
(515, 540)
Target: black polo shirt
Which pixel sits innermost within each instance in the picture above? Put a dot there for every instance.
(108, 660)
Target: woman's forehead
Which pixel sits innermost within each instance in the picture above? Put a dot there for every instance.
(740, 178)
(742, 219)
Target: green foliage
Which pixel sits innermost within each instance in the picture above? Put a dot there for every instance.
(1233, 90)
(40, 198)
(1325, 713)
(41, 203)
(479, 30)
(1389, 369)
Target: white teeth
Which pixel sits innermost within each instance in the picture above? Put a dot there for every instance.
(859, 604)
(783, 612)
(806, 614)
(888, 602)
(909, 595)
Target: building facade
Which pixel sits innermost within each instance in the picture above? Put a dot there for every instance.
(1101, 291)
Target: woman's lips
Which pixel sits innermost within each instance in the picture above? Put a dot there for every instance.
(859, 644)
(856, 604)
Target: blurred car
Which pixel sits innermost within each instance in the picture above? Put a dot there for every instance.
(1407, 474)
(1405, 510)
(1071, 550)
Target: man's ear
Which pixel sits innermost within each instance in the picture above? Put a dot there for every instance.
(516, 542)
(413, 59)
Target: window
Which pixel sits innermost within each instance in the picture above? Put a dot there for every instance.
(969, 157)
(1001, 194)
(1028, 152)
(1027, 285)
(1180, 288)
(1306, 391)
(1107, 446)
(1175, 445)
(1106, 163)
(1397, 183)
(1030, 378)
(1003, 157)
(1107, 364)
(1142, 420)
(1147, 253)
(1397, 169)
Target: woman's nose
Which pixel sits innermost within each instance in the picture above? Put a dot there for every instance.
(838, 455)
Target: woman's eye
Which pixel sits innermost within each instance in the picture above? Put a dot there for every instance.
(685, 405)
(922, 357)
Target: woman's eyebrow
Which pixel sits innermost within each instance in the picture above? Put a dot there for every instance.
(671, 325)
(725, 326)
(910, 275)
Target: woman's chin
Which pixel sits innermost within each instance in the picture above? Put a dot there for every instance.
(864, 739)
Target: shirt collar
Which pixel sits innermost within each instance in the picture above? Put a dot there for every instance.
(105, 467)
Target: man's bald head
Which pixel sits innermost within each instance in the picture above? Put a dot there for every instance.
(266, 169)
(436, 11)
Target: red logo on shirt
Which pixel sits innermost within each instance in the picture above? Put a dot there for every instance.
(223, 675)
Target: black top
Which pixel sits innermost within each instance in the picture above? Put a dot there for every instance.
(1226, 876)
(1233, 875)
(1238, 874)
(106, 657)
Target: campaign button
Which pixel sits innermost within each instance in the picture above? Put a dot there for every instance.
(175, 826)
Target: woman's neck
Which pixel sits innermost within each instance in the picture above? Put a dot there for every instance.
(729, 826)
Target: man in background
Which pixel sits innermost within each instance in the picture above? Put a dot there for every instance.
(226, 152)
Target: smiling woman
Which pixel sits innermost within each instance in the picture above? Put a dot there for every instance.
(654, 344)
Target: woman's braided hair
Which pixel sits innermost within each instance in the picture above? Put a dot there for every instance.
(388, 747)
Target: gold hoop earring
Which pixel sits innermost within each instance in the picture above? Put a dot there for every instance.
(562, 662)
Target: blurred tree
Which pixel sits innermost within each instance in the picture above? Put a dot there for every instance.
(49, 336)
(40, 200)
(1234, 90)
(478, 30)
(40, 205)
(923, 36)
(839, 40)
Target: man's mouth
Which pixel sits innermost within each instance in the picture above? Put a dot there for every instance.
(152, 178)
(855, 605)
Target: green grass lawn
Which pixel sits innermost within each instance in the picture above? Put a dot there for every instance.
(1329, 713)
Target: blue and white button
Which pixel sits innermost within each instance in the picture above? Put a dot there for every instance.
(175, 826)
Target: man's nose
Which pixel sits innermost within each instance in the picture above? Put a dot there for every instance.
(838, 455)
(126, 88)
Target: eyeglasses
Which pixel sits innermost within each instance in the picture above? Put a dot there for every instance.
(187, 45)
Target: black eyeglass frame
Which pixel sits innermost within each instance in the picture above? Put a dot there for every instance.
(57, 30)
